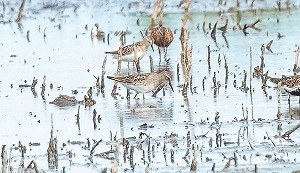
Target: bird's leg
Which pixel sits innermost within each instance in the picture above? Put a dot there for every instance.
(289, 100)
(159, 52)
(135, 95)
(143, 96)
(128, 94)
(137, 65)
(157, 90)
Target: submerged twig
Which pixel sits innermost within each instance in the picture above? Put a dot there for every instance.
(289, 132)
(270, 139)
(93, 150)
(269, 46)
(228, 163)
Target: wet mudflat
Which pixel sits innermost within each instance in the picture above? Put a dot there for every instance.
(233, 119)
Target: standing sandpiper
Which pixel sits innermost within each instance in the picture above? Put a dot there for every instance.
(145, 82)
(162, 37)
(133, 52)
(290, 84)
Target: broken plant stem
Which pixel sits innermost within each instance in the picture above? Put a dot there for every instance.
(102, 85)
(289, 132)
(296, 68)
(21, 9)
(270, 139)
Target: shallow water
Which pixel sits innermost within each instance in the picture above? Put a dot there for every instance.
(70, 58)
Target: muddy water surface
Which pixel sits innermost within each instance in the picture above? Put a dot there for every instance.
(59, 46)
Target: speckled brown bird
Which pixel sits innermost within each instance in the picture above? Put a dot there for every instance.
(290, 84)
(162, 36)
(145, 82)
(134, 51)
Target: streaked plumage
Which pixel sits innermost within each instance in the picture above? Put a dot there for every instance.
(290, 84)
(145, 82)
(128, 53)
(162, 36)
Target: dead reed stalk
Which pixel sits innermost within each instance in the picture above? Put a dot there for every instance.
(296, 68)
(186, 52)
(251, 75)
(208, 57)
(43, 87)
(102, 85)
(21, 9)
(226, 70)
(262, 63)
(52, 150)
(34, 82)
(122, 37)
(289, 132)
(4, 159)
(158, 8)
(94, 118)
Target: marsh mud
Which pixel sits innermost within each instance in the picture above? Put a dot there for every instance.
(233, 118)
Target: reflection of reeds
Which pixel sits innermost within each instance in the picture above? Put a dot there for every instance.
(77, 119)
(203, 24)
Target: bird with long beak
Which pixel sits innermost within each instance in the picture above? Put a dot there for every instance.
(145, 82)
(133, 52)
(162, 37)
